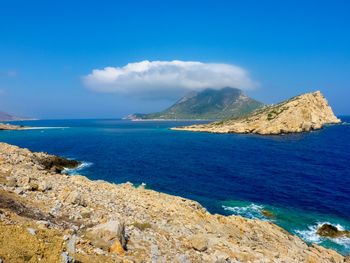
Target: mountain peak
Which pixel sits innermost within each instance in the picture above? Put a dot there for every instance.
(8, 117)
(208, 104)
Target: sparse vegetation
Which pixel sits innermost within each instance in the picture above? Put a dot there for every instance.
(208, 104)
(275, 112)
(141, 226)
(218, 123)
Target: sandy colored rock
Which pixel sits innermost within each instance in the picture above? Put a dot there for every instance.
(117, 248)
(4, 126)
(199, 243)
(302, 113)
(105, 235)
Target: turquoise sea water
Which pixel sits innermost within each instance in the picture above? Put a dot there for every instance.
(303, 179)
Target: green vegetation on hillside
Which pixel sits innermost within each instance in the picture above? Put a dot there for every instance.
(208, 104)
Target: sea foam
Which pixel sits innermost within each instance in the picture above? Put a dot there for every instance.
(251, 211)
(310, 235)
(75, 171)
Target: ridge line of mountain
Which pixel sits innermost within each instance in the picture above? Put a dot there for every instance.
(208, 104)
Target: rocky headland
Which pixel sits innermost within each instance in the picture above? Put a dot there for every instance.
(5, 127)
(49, 216)
(302, 113)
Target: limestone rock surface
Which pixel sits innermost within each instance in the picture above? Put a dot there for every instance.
(175, 229)
(302, 113)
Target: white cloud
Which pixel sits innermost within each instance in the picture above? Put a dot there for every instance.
(166, 79)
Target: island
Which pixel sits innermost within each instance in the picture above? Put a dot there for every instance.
(4, 117)
(47, 215)
(208, 104)
(302, 113)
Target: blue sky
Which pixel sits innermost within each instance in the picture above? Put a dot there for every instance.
(48, 47)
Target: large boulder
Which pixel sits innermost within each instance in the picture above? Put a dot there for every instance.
(327, 230)
(72, 197)
(57, 163)
(109, 236)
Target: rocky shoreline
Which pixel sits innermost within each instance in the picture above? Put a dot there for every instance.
(5, 127)
(48, 216)
(302, 113)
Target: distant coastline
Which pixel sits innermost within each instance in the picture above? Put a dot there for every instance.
(11, 127)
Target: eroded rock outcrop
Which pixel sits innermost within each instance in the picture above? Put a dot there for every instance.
(331, 231)
(121, 223)
(303, 113)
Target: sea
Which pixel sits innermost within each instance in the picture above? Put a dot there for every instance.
(302, 179)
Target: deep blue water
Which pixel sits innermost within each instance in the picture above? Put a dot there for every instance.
(304, 179)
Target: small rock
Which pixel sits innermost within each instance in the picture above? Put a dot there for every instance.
(128, 260)
(71, 245)
(76, 198)
(43, 224)
(11, 182)
(56, 169)
(44, 186)
(66, 258)
(155, 253)
(221, 256)
(181, 259)
(99, 251)
(117, 248)
(267, 213)
(199, 243)
(68, 231)
(85, 213)
(31, 230)
(33, 186)
(19, 190)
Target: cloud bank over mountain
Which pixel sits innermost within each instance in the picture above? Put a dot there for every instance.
(166, 79)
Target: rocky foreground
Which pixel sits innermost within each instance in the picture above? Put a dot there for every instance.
(47, 216)
(302, 113)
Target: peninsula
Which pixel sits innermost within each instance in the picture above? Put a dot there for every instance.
(302, 113)
(49, 216)
(5, 126)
